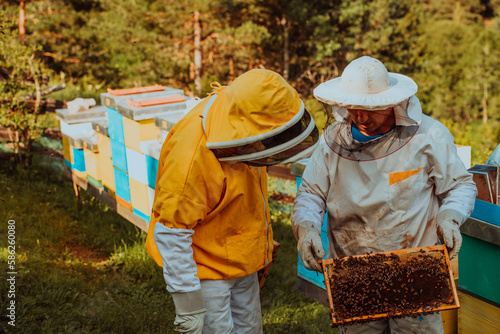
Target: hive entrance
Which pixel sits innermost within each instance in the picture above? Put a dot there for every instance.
(389, 284)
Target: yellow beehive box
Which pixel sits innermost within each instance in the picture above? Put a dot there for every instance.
(136, 132)
(80, 174)
(106, 164)
(139, 197)
(449, 319)
(67, 150)
(92, 164)
(104, 144)
(477, 316)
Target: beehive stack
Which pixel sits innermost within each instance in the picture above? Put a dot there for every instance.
(115, 147)
(150, 151)
(131, 123)
(389, 285)
(76, 130)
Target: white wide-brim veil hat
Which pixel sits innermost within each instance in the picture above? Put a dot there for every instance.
(366, 84)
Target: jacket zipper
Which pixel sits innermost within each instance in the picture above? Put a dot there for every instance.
(265, 215)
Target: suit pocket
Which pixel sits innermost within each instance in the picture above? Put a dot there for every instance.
(402, 188)
(246, 253)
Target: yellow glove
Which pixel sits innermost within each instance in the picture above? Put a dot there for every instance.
(309, 245)
(448, 230)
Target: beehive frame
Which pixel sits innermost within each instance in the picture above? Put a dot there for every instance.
(336, 321)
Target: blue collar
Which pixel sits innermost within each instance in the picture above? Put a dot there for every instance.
(356, 134)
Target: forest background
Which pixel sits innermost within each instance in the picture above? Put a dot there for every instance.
(83, 268)
(450, 48)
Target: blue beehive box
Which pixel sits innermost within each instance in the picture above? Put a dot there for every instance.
(140, 214)
(122, 184)
(116, 136)
(151, 150)
(479, 256)
(309, 275)
(73, 137)
(79, 160)
(152, 169)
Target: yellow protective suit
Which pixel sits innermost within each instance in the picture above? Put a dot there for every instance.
(225, 204)
(195, 191)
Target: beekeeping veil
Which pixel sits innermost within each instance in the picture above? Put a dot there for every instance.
(259, 120)
(367, 85)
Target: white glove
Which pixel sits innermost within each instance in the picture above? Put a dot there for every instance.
(309, 245)
(190, 311)
(448, 230)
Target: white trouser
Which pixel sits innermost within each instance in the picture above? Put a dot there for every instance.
(428, 324)
(233, 306)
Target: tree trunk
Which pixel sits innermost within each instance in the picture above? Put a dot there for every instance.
(286, 55)
(22, 20)
(231, 68)
(38, 94)
(197, 52)
(485, 103)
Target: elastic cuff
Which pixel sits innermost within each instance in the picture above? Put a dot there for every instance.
(188, 302)
(451, 214)
(301, 228)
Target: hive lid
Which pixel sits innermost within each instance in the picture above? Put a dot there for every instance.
(395, 284)
(167, 121)
(111, 101)
(149, 112)
(90, 143)
(76, 132)
(135, 90)
(101, 126)
(94, 113)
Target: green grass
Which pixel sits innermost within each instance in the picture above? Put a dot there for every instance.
(84, 269)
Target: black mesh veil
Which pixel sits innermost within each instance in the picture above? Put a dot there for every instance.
(338, 137)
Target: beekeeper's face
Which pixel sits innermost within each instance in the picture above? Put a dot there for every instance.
(372, 122)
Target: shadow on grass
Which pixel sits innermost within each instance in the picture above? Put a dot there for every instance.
(284, 309)
(78, 269)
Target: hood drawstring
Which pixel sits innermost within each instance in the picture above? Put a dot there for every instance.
(216, 88)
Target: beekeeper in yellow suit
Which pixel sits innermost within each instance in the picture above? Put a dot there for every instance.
(210, 227)
(388, 176)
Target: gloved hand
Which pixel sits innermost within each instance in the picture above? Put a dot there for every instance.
(309, 245)
(448, 230)
(190, 311)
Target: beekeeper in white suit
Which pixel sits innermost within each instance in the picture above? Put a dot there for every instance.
(388, 176)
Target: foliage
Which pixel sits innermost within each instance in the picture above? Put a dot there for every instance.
(459, 80)
(283, 186)
(482, 138)
(451, 48)
(23, 75)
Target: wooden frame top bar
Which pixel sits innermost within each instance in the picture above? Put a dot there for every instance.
(441, 248)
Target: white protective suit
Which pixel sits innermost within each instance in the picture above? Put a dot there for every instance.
(385, 194)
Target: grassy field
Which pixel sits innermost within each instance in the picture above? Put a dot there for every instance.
(84, 269)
